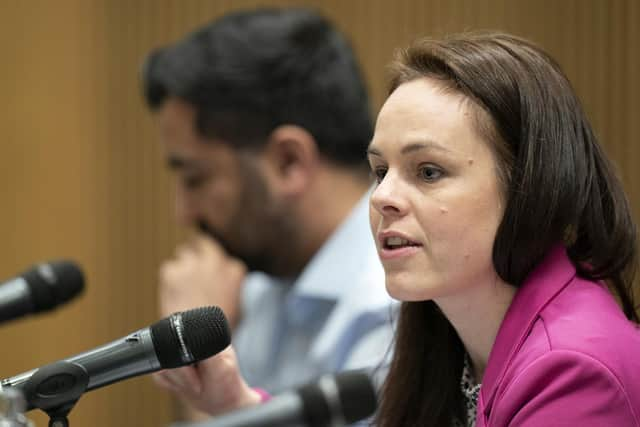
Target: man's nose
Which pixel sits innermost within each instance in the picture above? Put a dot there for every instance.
(185, 207)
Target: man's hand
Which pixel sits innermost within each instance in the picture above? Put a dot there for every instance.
(214, 385)
(201, 273)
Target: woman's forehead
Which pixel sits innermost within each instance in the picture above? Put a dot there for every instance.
(421, 113)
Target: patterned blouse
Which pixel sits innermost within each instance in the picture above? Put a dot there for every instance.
(470, 390)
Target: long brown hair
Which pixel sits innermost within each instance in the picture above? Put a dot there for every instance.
(559, 186)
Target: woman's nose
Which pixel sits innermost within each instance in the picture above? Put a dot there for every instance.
(387, 198)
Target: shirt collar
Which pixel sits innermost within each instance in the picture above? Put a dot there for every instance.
(324, 276)
(322, 283)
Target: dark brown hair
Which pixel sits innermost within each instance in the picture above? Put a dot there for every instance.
(251, 71)
(559, 187)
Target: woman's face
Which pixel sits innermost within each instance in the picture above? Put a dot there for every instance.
(438, 202)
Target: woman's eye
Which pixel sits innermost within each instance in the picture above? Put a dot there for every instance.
(379, 173)
(430, 173)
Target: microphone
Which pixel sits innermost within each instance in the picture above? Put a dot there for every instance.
(332, 401)
(40, 288)
(180, 339)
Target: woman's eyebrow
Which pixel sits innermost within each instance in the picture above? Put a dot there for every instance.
(372, 151)
(412, 147)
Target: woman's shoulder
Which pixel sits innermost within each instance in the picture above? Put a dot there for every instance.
(582, 352)
(567, 387)
(586, 318)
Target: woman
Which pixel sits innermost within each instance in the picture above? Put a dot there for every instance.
(502, 227)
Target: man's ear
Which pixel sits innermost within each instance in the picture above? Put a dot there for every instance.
(291, 157)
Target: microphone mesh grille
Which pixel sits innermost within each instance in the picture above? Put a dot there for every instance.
(205, 332)
(357, 395)
(53, 283)
(316, 409)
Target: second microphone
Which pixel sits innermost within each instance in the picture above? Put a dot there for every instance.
(178, 340)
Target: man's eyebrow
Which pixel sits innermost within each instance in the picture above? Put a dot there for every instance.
(412, 147)
(177, 163)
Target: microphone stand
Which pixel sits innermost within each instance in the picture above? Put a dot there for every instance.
(55, 389)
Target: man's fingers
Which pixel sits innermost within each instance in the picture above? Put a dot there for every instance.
(185, 250)
(183, 380)
(208, 246)
(160, 379)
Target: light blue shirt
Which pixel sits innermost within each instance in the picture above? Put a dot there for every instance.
(335, 316)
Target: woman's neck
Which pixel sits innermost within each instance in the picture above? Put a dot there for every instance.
(476, 315)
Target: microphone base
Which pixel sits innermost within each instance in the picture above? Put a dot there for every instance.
(55, 389)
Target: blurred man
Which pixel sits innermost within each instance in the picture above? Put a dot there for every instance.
(264, 117)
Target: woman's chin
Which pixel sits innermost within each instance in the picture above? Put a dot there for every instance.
(405, 288)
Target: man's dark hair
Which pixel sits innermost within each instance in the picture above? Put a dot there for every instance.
(249, 72)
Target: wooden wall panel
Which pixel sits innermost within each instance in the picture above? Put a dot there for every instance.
(82, 176)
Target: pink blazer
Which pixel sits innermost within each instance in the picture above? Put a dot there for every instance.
(565, 355)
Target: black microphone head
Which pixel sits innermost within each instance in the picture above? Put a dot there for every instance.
(190, 336)
(357, 395)
(347, 397)
(53, 283)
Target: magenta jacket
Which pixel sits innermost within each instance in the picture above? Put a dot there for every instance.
(565, 355)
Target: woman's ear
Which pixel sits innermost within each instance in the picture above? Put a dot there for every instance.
(291, 158)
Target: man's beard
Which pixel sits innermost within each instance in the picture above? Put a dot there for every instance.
(254, 262)
(262, 233)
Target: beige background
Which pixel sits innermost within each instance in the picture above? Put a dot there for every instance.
(82, 176)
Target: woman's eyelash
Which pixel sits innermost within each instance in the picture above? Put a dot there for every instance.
(378, 173)
(430, 173)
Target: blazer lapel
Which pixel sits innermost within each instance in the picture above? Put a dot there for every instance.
(540, 287)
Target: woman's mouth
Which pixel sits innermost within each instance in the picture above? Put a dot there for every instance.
(395, 246)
